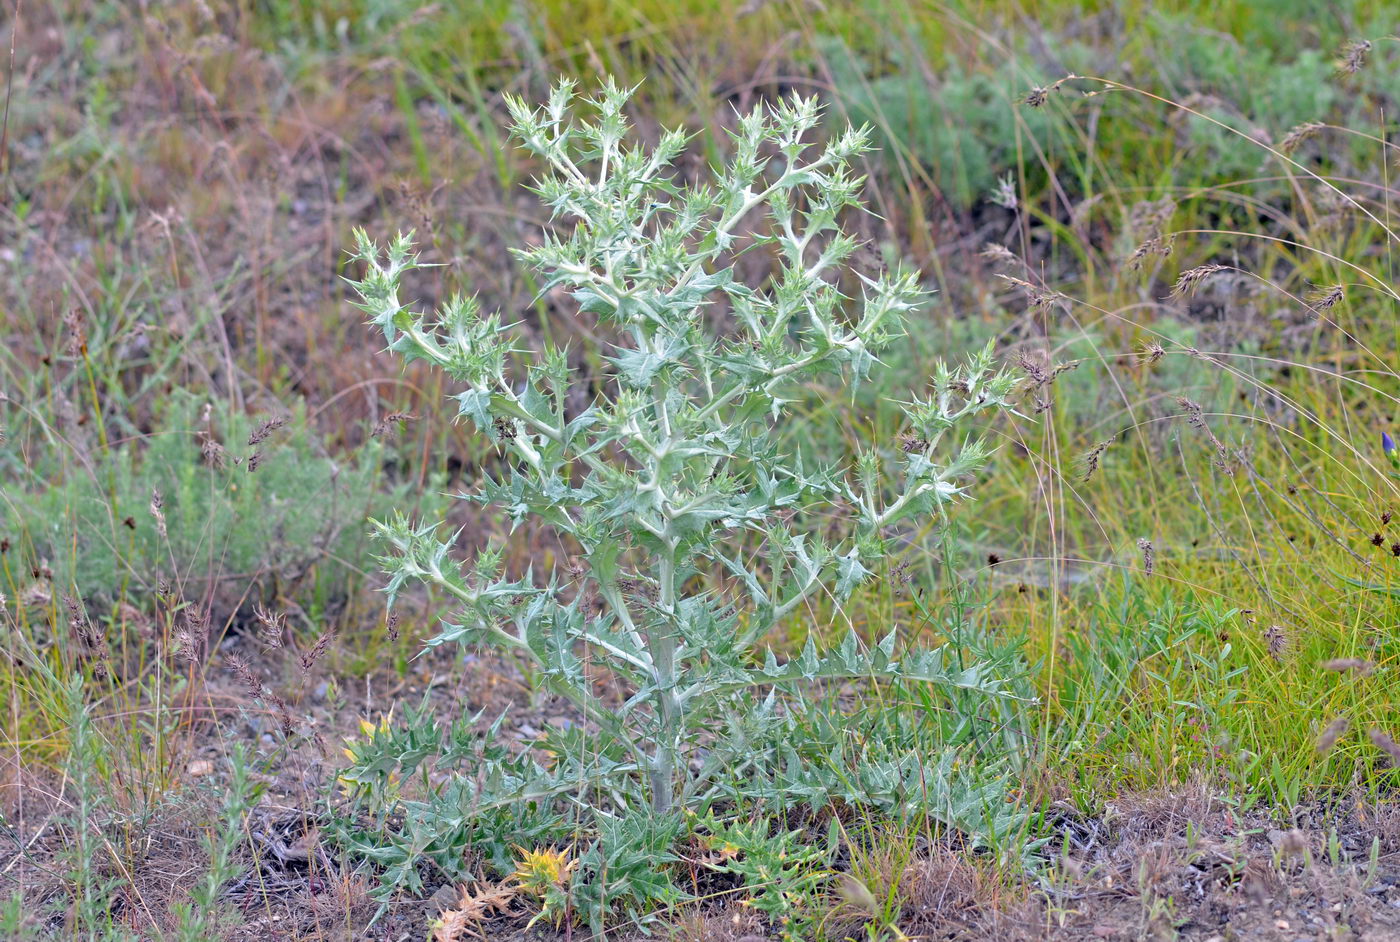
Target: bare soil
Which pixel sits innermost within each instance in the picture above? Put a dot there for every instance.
(1184, 864)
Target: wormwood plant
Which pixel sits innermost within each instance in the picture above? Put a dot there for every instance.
(676, 456)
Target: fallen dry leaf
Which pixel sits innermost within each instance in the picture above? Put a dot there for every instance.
(454, 924)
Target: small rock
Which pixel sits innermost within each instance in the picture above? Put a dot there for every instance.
(200, 767)
(445, 898)
(1289, 843)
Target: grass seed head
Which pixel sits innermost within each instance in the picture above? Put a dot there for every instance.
(264, 429)
(1191, 279)
(1158, 246)
(1039, 299)
(1298, 135)
(999, 254)
(391, 423)
(1324, 298)
(1037, 96)
(1335, 730)
(244, 672)
(272, 627)
(213, 453)
(1195, 416)
(1354, 56)
(1347, 665)
(1035, 371)
(157, 512)
(1149, 555)
(317, 651)
(1151, 351)
(1387, 745)
(1092, 458)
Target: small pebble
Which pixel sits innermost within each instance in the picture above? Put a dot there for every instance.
(445, 898)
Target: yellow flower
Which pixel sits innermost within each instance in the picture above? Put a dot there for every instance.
(538, 870)
(367, 729)
(354, 748)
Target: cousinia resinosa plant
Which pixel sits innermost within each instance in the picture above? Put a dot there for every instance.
(656, 478)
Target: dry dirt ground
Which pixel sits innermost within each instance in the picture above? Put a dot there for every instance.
(1153, 866)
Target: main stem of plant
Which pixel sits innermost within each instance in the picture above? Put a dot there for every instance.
(663, 655)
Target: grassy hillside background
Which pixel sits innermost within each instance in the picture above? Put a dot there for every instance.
(1177, 222)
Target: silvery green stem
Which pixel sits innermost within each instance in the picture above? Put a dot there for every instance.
(663, 655)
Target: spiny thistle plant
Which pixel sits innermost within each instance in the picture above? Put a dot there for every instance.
(678, 455)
